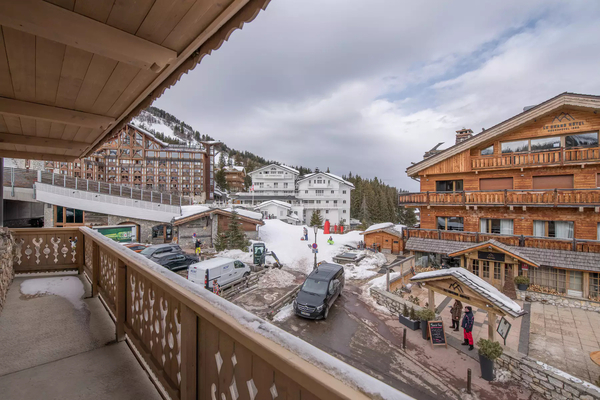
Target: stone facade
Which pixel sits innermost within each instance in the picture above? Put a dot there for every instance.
(6, 263)
(202, 227)
(561, 301)
(392, 302)
(145, 227)
(550, 383)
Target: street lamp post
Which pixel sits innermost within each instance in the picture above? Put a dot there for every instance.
(316, 228)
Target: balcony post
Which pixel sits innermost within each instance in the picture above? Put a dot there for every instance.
(121, 306)
(80, 248)
(505, 197)
(189, 353)
(95, 268)
(464, 198)
(427, 198)
(439, 234)
(555, 197)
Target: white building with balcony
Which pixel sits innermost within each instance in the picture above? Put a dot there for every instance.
(274, 180)
(326, 192)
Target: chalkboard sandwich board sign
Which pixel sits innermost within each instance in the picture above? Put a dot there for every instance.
(437, 333)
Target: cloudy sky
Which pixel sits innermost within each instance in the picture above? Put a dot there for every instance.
(369, 86)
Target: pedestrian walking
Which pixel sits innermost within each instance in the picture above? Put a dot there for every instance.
(216, 288)
(467, 325)
(305, 233)
(198, 248)
(456, 312)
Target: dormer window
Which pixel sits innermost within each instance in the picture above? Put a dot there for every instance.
(488, 151)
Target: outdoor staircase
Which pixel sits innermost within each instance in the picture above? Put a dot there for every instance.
(509, 289)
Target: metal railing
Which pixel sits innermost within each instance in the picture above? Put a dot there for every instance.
(506, 197)
(198, 345)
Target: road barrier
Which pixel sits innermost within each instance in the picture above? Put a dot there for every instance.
(278, 304)
(235, 287)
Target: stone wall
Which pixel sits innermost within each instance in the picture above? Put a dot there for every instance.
(392, 302)
(6, 263)
(145, 227)
(549, 382)
(561, 301)
(202, 227)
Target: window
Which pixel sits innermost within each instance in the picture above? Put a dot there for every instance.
(449, 186)
(488, 151)
(485, 269)
(344, 201)
(495, 183)
(319, 192)
(582, 140)
(476, 267)
(326, 211)
(306, 192)
(450, 223)
(545, 143)
(66, 215)
(549, 277)
(555, 229)
(238, 264)
(343, 192)
(553, 182)
(261, 184)
(501, 226)
(594, 286)
(275, 184)
(497, 271)
(344, 211)
(515, 147)
(333, 191)
(285, 185)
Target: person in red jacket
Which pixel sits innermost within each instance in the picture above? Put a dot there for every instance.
(467, 325)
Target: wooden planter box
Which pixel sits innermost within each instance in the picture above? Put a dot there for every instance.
(409, 323)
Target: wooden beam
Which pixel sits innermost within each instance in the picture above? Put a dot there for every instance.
(46, 20)
(20, 108)
(9, 138)
(36, 156)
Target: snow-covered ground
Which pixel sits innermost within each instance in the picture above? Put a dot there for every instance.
(69, 287)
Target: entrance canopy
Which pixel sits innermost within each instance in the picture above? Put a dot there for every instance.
(73, 73)
(493, 245)
(460, 284)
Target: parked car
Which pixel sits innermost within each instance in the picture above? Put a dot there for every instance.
(320, 289)
(137, 247)
(175, 261)
(152, 251)
(224, 270)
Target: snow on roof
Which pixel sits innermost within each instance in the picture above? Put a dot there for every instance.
(212, 142)
(245, 213)
(276, 202)
(290, 168)
(145, 132)
(326, 362)
(238, 168)
(377, 227)
(276, 165)
(338, 178)
(187, 211)
(478, 285)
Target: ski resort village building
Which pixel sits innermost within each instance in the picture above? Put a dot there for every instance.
(323, 191)
(520, 198)
(235, 176)
(136, 158)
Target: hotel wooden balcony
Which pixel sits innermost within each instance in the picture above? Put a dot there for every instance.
(560, 156)
(195, 345)
(530, 197)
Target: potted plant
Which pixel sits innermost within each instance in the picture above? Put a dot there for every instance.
(424, 316)
(488, 352)
(408, 318)
(522, 282)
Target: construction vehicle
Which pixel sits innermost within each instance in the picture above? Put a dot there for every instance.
(260, 253)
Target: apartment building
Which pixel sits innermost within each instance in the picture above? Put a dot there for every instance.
(136, 158)
(520, 198)
(322, 191)
(235, 176)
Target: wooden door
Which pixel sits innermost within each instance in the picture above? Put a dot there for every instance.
(396, 247)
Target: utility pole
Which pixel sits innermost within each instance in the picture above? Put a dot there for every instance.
(316, 228)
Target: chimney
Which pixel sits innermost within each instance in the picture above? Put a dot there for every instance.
(463, 134)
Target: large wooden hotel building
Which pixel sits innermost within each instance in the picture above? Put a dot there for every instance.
(522, 197)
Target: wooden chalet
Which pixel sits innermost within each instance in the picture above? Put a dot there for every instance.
(530, 181)
(235, 175)
(384, 237)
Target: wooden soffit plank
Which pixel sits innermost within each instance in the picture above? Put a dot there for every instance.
(9, 138)
(46, 20)
(37, 156)
(54, 114)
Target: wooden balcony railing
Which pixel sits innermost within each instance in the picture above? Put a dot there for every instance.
(586, 246)
(198, 345)
(559, 156)
(532, 197)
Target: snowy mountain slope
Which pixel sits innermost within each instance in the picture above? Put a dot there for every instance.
(154, 124)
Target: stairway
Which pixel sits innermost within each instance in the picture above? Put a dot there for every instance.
(509, 289)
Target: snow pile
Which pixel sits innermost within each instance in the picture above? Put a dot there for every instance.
(326, 362)
(367, 267)
(276, 278)
(186, 211)
(68, 287)
(246, 213)
(285, 312)
(382, 225)
(243, 256)
(284, 240)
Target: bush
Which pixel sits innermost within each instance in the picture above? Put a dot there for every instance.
(489, 349)
(426, 315)
(405, 311)
(521, 280)
(412, 315)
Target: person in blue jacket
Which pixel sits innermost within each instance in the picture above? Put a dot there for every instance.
(467, 325)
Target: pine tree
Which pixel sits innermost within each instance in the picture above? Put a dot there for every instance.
(221, 240)
(236, 239)
(316, 219)
(220, 179)
(365, 217)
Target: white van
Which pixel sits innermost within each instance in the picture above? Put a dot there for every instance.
(224, 270)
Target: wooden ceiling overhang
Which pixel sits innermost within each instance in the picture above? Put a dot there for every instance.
(74, 72)
(571, 100)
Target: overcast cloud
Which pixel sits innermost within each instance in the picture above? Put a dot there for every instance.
(369, 86)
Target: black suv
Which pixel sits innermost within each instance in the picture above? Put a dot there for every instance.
(153, 252)
(175, 261)
(319, 291)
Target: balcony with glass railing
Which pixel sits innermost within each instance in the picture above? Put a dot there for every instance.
(549, 157)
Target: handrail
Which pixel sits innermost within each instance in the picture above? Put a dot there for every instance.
(558, 156)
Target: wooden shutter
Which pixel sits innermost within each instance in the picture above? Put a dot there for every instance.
(553, 182)
(597, 180)
(495, 183)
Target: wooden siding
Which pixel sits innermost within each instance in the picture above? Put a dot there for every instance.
(385, 240)
(585, 222)
(458, 163)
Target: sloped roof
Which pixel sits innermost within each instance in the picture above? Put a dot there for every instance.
(275, 202)
(511, 250)
(476, 284)
(387, 227)
(289, 169)
(247, 216)
(327, 174)
(542, 109)
(435, 245)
